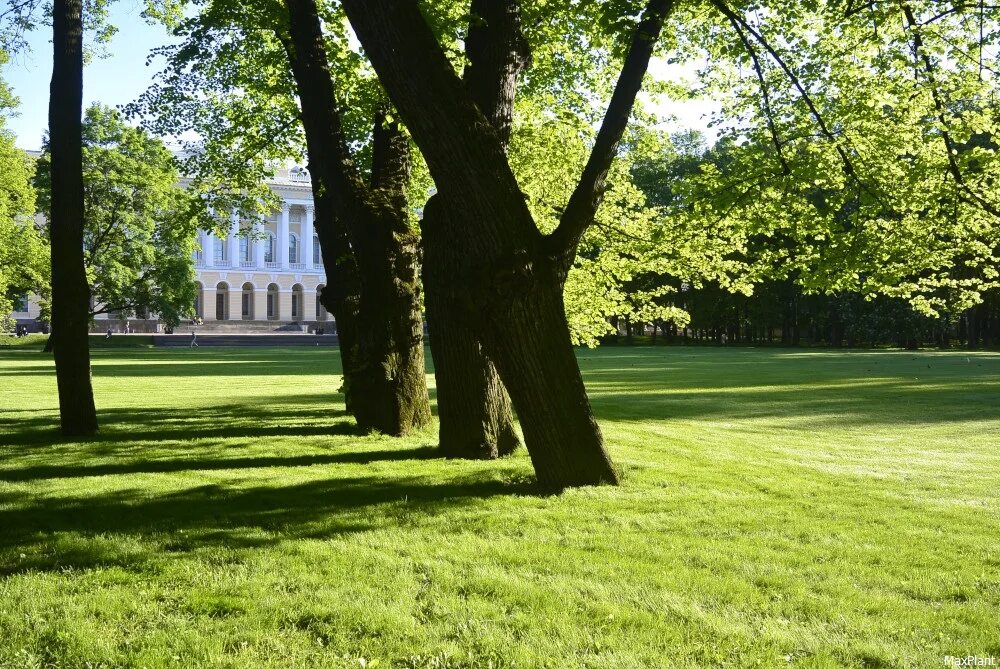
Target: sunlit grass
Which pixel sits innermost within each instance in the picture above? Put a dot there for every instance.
(779, 509)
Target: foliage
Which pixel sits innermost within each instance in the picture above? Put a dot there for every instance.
(23, 251)
(779, 505)
(139, 236)
(858, 141)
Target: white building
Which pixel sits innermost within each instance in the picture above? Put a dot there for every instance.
(273, 275)
(262, 281)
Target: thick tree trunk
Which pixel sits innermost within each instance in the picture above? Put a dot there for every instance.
(511, 276)
(474, 409)
(366, 241)
(392, 382)
(70, 292)
(529, 339)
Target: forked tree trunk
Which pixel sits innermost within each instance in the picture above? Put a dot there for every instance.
(511, 276)
(70, 291)
(365, 237)
(392, 385)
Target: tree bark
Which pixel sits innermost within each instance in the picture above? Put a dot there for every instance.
(474, 409)
(70, 291)
(512, 276)
(366, 238)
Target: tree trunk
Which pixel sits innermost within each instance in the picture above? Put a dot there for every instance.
(530, 341)
(474, 409)
(70, 291)
(367, 243)
(392, 383)
(511, 276)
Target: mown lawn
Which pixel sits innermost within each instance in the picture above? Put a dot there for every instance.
(781, 508)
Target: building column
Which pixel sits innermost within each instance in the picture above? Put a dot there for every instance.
(309, 306)
(260, 304)
(208, 248)
(234, 239)
(285, 305)
(209, 302)
(307, 235)
(236, 303)
(259, 246)
(283, 236)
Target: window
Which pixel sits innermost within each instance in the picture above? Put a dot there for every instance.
(20, 303)
(317, 256)
(219, 249)
(269, 249)
(246, 250)
(293, 248)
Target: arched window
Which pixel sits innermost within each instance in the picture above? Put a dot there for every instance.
(222, 301)
(219, 249)
(317, 255)
(269, 248)
(247, 302)
(297, 305)
(273, 295)
(320, 309)
(293, 248)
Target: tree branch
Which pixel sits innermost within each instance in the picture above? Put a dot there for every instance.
(949, 144)
(586, 198)
(768, 114)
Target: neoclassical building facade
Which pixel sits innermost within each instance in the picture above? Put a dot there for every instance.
(274, 274)
(262, 281)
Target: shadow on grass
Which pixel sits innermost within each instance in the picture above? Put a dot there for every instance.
(72, 532)
(290, 416)
(204, 464)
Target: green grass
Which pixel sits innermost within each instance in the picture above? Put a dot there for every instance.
(780, 509)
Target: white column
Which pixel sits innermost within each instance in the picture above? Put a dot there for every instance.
(208, 248)
(259, 245)
(307, 236)
(283, 236)
(234, 239)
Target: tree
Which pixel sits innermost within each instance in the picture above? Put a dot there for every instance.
(387, 387)
(258, 91)
(139, 235)
(23, 252)
(70, 292)
(362, 181)
(511, 277)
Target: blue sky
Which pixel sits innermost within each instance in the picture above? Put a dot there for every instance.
(116, 79)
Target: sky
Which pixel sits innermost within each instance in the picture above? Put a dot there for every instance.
(122, 75)
(114, 80)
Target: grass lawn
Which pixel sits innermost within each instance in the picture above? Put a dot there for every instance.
(780, 509)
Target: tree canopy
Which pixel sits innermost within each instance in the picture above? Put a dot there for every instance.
(23, 252)
(139, 234)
